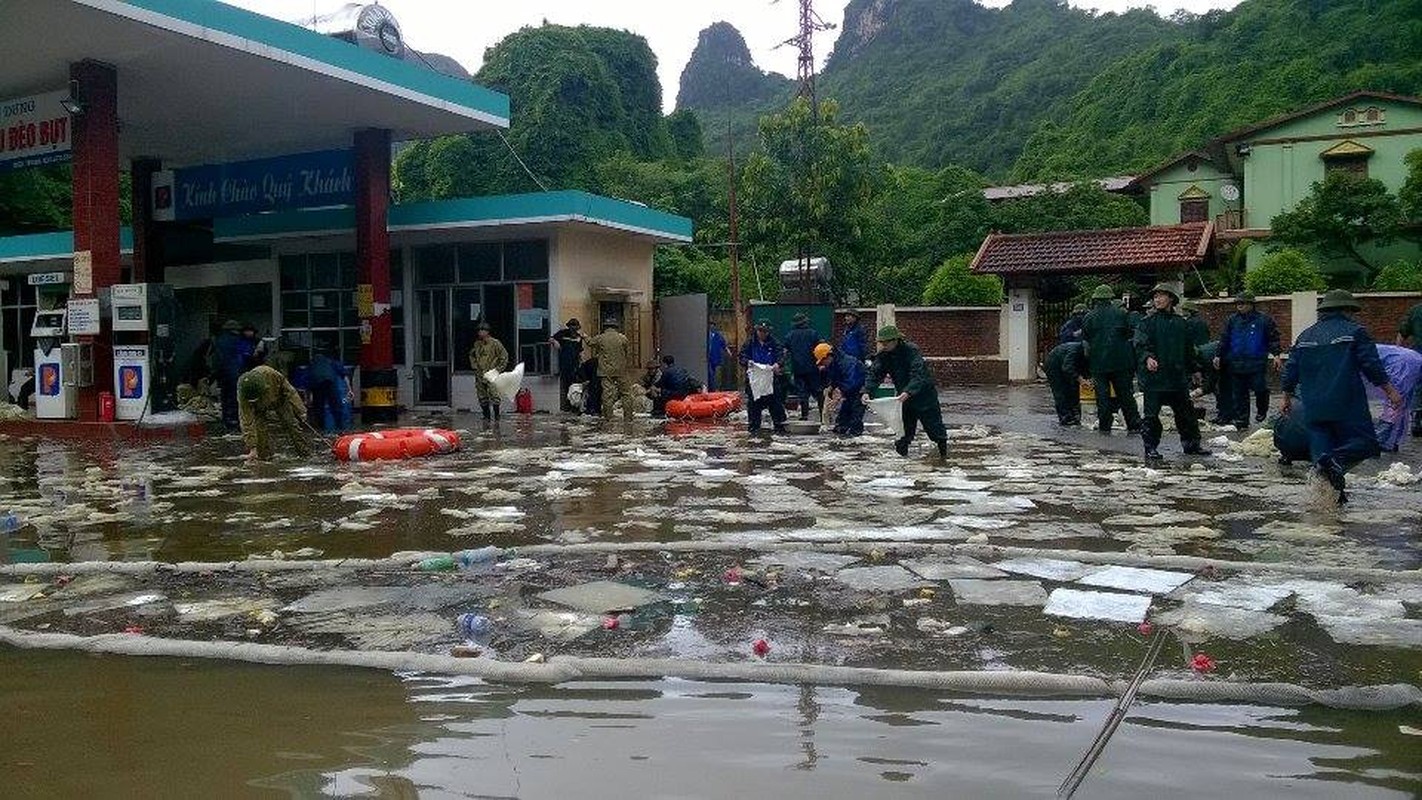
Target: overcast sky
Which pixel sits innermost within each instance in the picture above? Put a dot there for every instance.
(465, 28)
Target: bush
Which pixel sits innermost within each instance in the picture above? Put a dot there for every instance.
(1399, 276)
(954, 284)
(1283, 272)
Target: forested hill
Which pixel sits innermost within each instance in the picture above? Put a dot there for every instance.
(1039, 89)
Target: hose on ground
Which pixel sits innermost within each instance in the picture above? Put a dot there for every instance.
(561, 669)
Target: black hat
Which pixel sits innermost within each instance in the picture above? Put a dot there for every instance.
(573, 323)
(484, 326)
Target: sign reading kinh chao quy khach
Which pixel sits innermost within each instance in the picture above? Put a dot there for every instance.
(304, 180)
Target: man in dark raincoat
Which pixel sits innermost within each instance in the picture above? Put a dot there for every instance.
(1323, 369)
(1107, 331)
(900, 360)
(1066, 367)
(1168, 359)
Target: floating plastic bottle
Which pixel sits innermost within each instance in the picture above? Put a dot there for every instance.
(10, 522)
(474, 627)
(438, 564)
(480, 556)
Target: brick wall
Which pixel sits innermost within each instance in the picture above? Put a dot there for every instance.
(1382, 313)
(945, 332)
(978, 371)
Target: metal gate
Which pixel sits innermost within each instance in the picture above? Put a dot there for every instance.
(1050, 317)
(683, 330)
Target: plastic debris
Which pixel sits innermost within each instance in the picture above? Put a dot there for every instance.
(973, 592)
(1217, 621)
(1201, 663)
(600, 597)
(1397, 474)
(941, 569)
(438, 564)
(1145, 628)
(760, 647)
(1109, 606)
(536, 658)
(883, 579)
(1134, 579)
(1051, 569)
(474, 626)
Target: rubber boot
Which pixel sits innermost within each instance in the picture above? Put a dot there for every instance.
(1194, 449)
(901, 446)
(943, 450)
(484, 407)
(496, 412)
(1416, 424)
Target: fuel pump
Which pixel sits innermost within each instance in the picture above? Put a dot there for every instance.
(53, 398)
(143, 315)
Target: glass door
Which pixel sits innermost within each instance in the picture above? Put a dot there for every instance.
(432, 357)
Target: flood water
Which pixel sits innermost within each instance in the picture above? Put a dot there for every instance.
(80, 725)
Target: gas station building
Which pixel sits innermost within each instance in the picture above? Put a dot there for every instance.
(260, 157)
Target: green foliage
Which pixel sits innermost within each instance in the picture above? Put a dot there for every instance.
(34, 200)
(689, 270)
(1410, 195)
(1213, 73)
(1340, 215)
(1399, 276)
(807, 189)
(1084, 206)
(686, 135)
(955, 284)
(1284, 272)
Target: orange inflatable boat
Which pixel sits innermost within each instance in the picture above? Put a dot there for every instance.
(709, 405)
(395, 444)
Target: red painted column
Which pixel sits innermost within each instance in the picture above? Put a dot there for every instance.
(96, 202)
(372, 205)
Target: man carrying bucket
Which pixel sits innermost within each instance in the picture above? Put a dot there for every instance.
(901, 360)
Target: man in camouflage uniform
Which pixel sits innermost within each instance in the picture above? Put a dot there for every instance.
(265, 398)
(610, 348)
(487, 353)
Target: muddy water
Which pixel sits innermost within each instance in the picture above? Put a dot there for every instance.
(79, 725)
(546, 479)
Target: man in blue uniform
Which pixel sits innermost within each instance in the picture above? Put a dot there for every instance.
(845, 378)
(1247, 342)
(854, 341)
(763, 348)
(1323, 370)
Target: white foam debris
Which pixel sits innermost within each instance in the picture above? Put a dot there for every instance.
(1134, 579)
(1109, 606)
(1051, 569)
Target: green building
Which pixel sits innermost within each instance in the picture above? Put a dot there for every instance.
(1242, 180)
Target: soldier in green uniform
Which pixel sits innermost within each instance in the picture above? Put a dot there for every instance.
(265, 398)
(901, 360)
(610, 348)
(1065, 367)
(1107, 332)
(1194, 323)
(487, 353)
(1168, 359)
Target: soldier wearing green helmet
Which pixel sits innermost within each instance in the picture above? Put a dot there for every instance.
(1168, 359)
(1107, 332)
(264, 399)
(900, 359)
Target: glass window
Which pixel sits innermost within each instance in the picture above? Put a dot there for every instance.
(350, 348)
(325, 309)
(479, 263)
(293, 273)
(397, 345)
(434, 265)
(350, 315)
(526, 261)
(1194, 210)
(347, 270)
(325, 271)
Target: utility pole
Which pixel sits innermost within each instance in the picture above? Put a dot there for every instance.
(740, 323)
(810, 24)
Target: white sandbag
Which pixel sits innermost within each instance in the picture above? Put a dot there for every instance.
(506, 383)
(575, 395)
(891, 411)
(761, 378)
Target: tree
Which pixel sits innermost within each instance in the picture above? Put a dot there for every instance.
(955, 284)
(807, 189)
(686, 135)
(1084, 206)
(1340, 216)
(1410, 195)
(33, 200)
(1284, 272)
(1399, 276)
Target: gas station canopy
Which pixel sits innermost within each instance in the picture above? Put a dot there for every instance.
(203, 82)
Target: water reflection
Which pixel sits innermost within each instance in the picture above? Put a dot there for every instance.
(80, 725)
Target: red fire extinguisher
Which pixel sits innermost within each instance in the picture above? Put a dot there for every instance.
(106, 406)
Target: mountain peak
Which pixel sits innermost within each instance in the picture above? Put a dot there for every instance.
(721, 72)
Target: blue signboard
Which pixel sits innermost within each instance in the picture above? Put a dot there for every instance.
(305, 180)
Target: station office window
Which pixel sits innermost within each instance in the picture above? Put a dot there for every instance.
(17, 313)
(318, 303)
